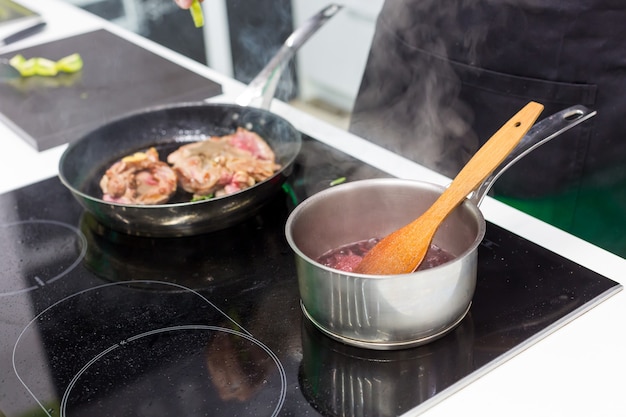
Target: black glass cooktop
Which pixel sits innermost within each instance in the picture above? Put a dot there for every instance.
(97, 323)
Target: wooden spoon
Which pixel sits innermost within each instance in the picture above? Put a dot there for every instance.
(402, 251)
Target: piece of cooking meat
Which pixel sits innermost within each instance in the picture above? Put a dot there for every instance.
(222, 165)
(140, 178)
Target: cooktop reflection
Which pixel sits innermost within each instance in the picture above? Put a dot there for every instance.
(94, 322)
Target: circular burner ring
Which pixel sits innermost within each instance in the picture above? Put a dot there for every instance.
(129, 340)
(41, 252)
(111, 351)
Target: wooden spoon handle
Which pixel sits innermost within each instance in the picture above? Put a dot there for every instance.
(402, 251)
(486, 160)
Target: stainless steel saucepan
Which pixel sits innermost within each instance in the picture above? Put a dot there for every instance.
(396, 311)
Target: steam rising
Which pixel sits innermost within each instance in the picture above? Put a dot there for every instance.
(258, 36)
(409, 99)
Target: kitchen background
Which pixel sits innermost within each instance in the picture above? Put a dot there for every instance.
(240, 36)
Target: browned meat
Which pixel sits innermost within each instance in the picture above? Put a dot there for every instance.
(139, 179)
(251, 142)
(223, 165)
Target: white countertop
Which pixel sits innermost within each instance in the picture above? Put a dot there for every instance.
(575, 371)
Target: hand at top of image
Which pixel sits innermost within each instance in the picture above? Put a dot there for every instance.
(195, 8)
(185, 4)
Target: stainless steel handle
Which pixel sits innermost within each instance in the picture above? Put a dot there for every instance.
(542, 132)
(263, 86)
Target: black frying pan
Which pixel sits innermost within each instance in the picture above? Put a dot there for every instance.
(167, 128)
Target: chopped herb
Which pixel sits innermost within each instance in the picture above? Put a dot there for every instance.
(291, 193)
(201, 197)
(196, 13)
(338, 181)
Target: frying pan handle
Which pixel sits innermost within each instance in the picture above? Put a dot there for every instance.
(542, 132)
(263, 86)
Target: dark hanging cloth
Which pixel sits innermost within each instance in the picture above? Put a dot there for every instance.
(442, 76)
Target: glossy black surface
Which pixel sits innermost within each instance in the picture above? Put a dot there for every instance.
(94, 322)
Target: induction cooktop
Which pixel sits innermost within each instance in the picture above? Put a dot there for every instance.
(97, 323)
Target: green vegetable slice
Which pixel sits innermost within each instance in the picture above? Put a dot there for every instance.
(45, 67)
(70, 63)
(337, 181)
(17, 60)
(196, 13)
(26, 67)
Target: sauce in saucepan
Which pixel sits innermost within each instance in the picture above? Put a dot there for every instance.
(347, 257)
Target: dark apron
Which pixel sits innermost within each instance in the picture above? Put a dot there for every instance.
(443, 76)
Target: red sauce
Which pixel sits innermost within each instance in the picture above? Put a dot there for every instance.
(347, 257)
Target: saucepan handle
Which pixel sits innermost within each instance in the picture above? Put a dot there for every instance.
(542, 132)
